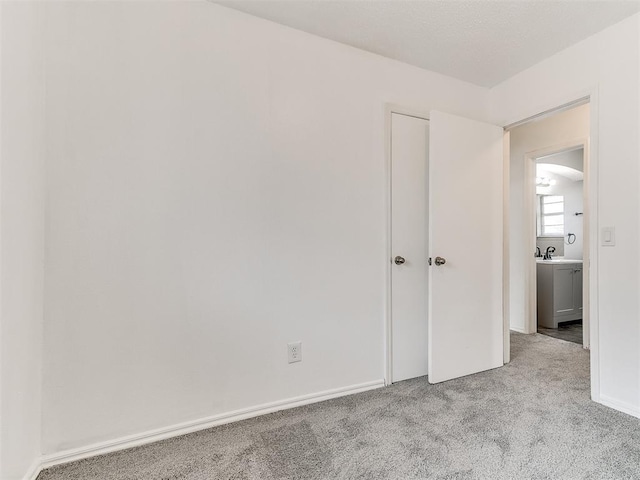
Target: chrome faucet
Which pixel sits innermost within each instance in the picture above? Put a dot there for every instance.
(538, 252)
(548, 252)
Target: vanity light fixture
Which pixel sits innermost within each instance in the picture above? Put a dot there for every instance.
(544, 182)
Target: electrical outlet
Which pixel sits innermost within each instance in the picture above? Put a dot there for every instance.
(295, 352)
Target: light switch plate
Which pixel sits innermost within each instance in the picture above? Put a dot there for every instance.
(608, 236)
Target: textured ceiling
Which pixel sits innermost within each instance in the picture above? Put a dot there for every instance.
(482, 41)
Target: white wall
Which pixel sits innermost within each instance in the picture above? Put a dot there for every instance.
(608, 64)
(214, 190)
(550, 132)
(22, 245)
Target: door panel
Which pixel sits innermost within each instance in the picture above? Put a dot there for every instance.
(577, 290)
(409, 214)
(563, 290)
(465, 333)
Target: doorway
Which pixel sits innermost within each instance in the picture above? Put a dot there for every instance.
(560, 232)
(551, 173)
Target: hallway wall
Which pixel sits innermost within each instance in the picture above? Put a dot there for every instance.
(607, 66)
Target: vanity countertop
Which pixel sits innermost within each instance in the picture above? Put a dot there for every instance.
(558, 260)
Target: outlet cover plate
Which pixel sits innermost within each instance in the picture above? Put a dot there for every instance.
(295, 352)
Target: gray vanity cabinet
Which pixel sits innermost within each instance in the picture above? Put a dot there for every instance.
(559, 293)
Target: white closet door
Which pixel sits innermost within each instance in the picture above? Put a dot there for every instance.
(409, 223)
(466, 198)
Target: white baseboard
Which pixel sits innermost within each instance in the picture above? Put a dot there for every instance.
(623, 407)
(519, 330)
(34, 470)
(151, 436)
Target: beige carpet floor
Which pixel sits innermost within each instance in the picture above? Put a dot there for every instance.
(531, 419)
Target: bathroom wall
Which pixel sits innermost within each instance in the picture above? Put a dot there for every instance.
(573, 192)
(556, 242)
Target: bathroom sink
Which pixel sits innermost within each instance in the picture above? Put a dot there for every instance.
(558, 260)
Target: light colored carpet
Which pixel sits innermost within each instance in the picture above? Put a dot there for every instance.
(531, 419)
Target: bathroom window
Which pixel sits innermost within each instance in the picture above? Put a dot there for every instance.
(551, 216)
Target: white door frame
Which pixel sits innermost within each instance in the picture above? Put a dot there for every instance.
(591, 240)
(531, 324)
(390, 109)
(506, 249)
